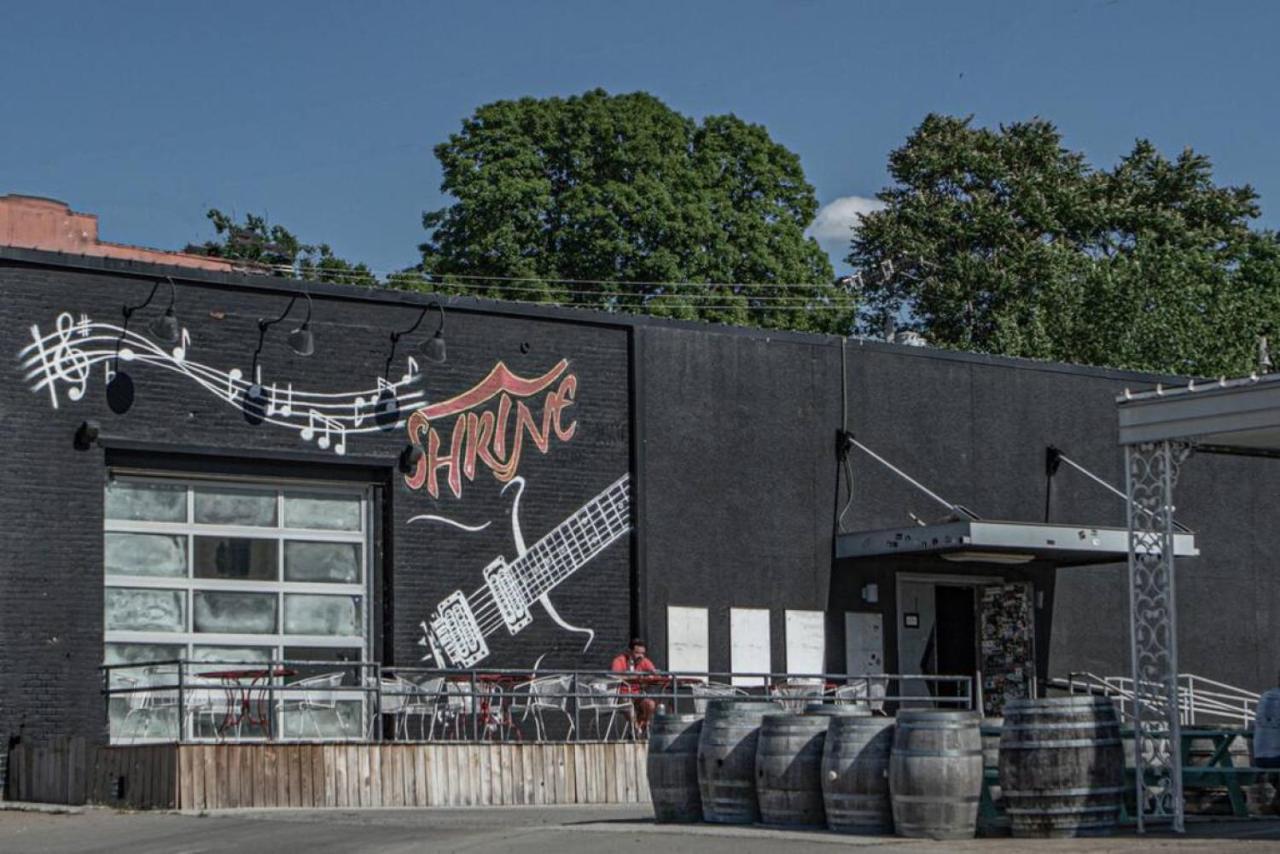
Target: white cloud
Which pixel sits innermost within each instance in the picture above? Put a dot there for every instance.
(833, 226)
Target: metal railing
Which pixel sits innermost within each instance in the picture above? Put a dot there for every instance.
(1200, 700)
(181, 700)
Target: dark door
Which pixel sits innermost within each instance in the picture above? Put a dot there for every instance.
(956, 640)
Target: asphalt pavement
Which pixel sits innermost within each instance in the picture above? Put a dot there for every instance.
(527, 830)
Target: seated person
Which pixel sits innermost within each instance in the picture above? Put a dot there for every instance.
(633, 660)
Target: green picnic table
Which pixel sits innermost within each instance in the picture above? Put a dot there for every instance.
(1217, 772)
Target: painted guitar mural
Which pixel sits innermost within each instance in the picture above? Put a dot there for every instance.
(457, 632)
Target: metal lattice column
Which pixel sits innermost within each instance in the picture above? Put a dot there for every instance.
(1151, 471)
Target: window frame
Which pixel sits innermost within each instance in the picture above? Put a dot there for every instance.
(189, 584)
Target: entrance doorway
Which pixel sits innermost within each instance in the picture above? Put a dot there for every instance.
(955, 647)
(976, 626)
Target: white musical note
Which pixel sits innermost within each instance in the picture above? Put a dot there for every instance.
(233, 376)
(330, 425)
(357, 412)
(108, 372)
(413, 372)
(180, 352)
(63, 363)
(383, 385)
(274, 404)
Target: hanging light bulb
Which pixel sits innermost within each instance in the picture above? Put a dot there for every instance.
(301, 341)
(164, 327)
(433, 348)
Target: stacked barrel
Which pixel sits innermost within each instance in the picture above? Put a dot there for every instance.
(921, 774)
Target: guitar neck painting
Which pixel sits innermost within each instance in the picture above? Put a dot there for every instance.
(456, 634)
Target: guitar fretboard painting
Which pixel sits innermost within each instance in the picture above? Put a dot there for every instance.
(457, 631)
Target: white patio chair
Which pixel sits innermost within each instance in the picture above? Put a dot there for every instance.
(601, 696)
(794, 694)
(539, 696)
(703, 692)
(313, 694)
(868, 693)
(424, 704)
(145, 707)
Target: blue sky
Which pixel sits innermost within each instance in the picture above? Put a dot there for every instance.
(323, 115)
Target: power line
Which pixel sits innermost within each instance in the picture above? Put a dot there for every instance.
(384, 274)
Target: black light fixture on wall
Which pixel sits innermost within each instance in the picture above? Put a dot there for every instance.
(164, 327)
(433, 348)
(301, 339)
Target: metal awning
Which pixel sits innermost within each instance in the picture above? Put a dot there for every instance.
(996, 542)
(1239, 415)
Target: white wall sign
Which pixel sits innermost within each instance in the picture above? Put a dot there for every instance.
(687, 649)
(806, 642)
(749, 644)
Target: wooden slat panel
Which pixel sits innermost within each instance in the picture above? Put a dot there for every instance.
(502, 774)
(340, 798)
(304, 776)
(318, 789)
(387, 756)
(570, 774)
(406, 757)
(169, 777)
(250, 774)
(366, 787)
(357, 771)
(328, 775)
(582, 795)
(419, 776)
(191, 757)
(431, 762)
(642, 775)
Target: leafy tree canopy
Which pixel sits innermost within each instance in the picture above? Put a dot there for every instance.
(1005, 241)
(619, 202)
(258, 243)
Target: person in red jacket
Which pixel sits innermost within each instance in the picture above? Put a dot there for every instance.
(634, 661)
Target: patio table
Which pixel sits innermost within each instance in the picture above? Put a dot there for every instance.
(240, 686)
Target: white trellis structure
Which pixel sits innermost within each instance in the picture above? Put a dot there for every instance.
(1159, 430)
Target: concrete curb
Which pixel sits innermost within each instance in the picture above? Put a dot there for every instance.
(31, 806)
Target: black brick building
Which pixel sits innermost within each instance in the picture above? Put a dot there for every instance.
(675, 466)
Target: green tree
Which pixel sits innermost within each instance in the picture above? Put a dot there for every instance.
(1005, 241)
(619, 202)
(278, 251)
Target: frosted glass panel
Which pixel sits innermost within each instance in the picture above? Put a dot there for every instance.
(222, 506)
(322, 512)
(231, 654)
(149, 502)
(235, 613)
(140, 654)
(338, 562)
(133, 609)
(321, 615)
(145, 554)
(236, 557)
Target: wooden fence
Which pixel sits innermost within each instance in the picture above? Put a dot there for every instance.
(220, 776)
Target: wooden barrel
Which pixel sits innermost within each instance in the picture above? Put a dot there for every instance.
(1061, 766)
(672, 765)
(727, 760)
(789, 769)
(855, 774)
(935, 773)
